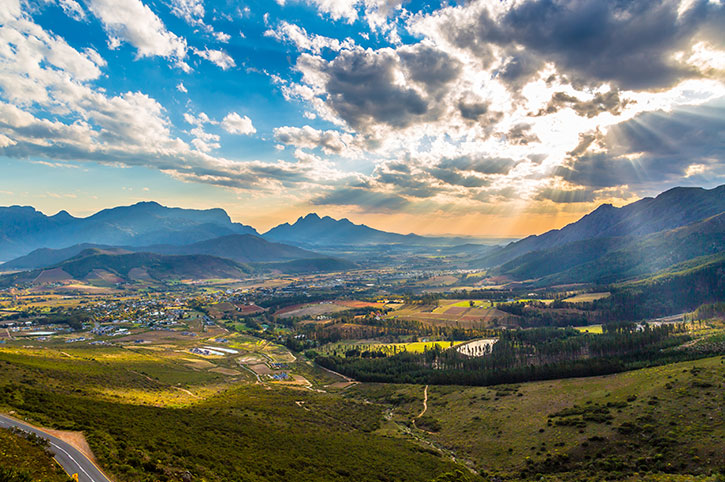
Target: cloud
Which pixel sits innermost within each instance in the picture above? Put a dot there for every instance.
(180, 87)
(190, 10)
(218, 57)
(193, 12)
(331, 142)
(305, 42)
(566, 196)
(133, 22)
(361, 88)
(601, 102)
(630, 44)
(372, 201)
(71, 8)
(375, 12)
(83, 124)
(236, 124)
(650, 148)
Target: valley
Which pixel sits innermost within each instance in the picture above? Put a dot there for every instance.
(243, 358)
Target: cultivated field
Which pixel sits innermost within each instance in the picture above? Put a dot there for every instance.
(587, 297)
(457, 313)
(322, 308)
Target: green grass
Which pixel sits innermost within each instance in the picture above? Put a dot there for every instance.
(25, 460)
(141, 429)
(667, 420)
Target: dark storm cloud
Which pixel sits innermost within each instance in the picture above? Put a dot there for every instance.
(428, 66)
(361, 89)
(661, 146)
(627, 42)
(472, 110)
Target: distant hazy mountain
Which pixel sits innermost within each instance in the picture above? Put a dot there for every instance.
(672, 209)
(23, 229)
(44, 257)
(242, 248)
(312, 230)
(95, 265)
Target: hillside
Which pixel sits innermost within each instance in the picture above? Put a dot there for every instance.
(24, 229)
(97, 265)
(606, 260)
(44, 257)
(243, 248)
(672, 209)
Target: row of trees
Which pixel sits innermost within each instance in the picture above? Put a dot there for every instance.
(520, 355)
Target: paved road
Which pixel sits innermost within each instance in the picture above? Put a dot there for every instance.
(70, 458)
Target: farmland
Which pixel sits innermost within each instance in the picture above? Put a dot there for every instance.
(587, 297)
(452, 313)
(280, 373)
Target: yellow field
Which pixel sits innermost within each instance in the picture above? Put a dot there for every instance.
(587, 297)
(467, 303)
(593, 329)
(417, 346)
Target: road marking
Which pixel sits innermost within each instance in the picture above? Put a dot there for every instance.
(74, 460)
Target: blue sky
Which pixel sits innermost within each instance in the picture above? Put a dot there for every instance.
(480, 117)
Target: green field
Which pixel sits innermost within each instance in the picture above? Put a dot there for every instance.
(142, 427)
(663, 423)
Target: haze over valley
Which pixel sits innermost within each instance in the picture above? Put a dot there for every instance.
(362, 240)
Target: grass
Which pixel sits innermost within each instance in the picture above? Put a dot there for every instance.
(244, 432)
(664, 420)
(27, 459)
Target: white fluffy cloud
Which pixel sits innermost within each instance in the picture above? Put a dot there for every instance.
(42, 72)
(218, 57)
(298, 36)
(331, 142)
(236, 124)
(133, 22)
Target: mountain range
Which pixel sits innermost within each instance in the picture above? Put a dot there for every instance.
(23, 229)
(612, 244)
(609, 244)
(313, 230)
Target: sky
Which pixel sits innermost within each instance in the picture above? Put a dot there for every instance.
(484, 118)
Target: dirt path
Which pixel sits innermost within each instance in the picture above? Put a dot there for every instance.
(185, 391)
(425, 402)
(348, 381)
